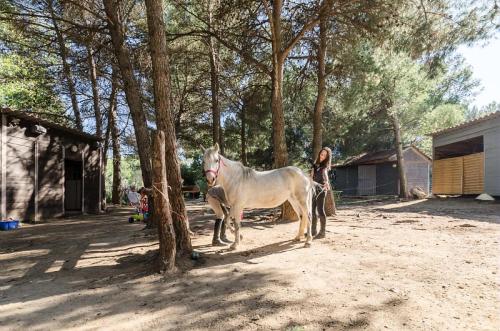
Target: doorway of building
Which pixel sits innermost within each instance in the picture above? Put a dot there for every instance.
(73, 181)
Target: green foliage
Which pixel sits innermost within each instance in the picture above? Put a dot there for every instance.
(443, 116)
(203, 185)
(384, 57)
(25, 85)
(26, 82)
(130, 171)
(476, 112)
(193, 171)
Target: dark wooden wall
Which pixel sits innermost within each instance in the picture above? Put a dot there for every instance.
(39, 159)
(346, 180)
(387, 179)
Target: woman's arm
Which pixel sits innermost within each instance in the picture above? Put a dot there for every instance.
(326, 179)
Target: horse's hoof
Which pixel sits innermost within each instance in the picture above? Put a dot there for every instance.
(233, 247)
(296, 238)
(307, 244)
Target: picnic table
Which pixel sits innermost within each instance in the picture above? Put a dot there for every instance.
(191, 190)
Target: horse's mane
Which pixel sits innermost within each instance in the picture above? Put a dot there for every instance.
(247, 172)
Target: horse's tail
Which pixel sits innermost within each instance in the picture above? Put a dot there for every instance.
(312, 194)
(313, 186)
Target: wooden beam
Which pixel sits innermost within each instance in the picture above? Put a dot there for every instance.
(3, 167)
(83, 179)
(35, 184)
(101, 205)
(63, 148)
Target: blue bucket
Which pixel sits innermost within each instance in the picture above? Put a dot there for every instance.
(9, 225)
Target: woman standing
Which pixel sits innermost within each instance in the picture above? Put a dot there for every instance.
(319, 174)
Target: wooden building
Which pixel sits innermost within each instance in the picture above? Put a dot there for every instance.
(376, 173)
(47, 170)
(467, 158)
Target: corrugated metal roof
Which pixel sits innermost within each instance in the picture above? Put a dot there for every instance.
(467, 124)
(388, 155)
(35, 119)
(371, 157)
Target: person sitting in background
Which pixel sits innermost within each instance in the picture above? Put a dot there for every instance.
(143, 202)
(133, 197)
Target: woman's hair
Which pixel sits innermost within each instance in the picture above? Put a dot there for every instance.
(327, 163)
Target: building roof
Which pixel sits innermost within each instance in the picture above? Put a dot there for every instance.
(32, 117)
(467, 124)
(378, 157)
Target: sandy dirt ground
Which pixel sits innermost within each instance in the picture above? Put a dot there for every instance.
(421, 265)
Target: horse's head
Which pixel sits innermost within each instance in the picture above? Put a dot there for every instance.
(211, 163)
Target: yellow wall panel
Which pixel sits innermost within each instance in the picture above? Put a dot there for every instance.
(459, 175)
(447, 176)
(474, 173)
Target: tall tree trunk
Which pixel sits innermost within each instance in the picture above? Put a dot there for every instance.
(214, 82)
(131, 88)
(279, 141)
(321, 97)
(106, 144)
(95, 91)
(115, 142)
(105, 161)
(243, 136)
(164, 119)
(403, 189)
(111, 105)
(278, 118)
(63, 53)
(214, 86)
(162, 212)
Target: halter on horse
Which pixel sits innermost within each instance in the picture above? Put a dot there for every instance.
(214, 172)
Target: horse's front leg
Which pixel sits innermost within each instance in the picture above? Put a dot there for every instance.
(235, 215)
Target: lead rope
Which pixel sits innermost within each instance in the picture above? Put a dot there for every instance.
(166, 197)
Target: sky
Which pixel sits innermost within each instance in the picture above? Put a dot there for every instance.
(485, 61)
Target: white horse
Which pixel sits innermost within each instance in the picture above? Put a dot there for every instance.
(247, 188)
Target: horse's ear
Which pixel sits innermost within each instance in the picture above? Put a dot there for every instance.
(216, 148)
(203, 149)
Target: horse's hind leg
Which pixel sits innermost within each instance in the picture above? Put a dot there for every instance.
(296, 208)
(235, 214)
(307, 220)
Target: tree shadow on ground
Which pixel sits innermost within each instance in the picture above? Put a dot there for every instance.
(215, 258)
(202, 298)
(93, 292)
(260, 219)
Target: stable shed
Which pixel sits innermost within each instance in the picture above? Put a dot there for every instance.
(376, 173)
(467, 158)
(47, 170)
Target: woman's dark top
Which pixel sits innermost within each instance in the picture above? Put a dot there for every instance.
(319, 174)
